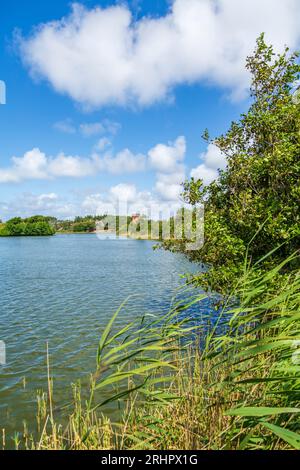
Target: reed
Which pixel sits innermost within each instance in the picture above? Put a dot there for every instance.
(243, 390)
(174, 385)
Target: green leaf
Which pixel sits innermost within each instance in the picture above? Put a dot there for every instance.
(117, 377)
(107, 331)
(286, 435)
(260, 411)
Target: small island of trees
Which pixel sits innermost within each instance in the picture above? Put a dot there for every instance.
(35, 226)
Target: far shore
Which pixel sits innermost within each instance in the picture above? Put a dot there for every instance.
(109, 232)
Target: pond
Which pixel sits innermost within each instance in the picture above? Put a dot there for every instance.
(63, 290)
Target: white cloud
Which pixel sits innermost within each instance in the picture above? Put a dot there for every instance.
(122, 199)
(35, 165)
(169, 185)
(206, 174)
(102, 56)
(124, 193)
(97, 204)
(125, 199)
(213, 160)
(168, 192)
(31, 166)
(69, 166)
(102, 144)
(28, 204)
(123, 162)
(111, 127)
(165, 158)
(90, 129)
(65, 126)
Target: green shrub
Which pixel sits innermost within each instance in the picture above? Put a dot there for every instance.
(253, 207)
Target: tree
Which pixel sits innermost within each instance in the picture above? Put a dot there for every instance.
(253, 207)
(84, 226)
(33, 226)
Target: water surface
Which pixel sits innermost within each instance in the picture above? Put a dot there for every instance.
(63, 290)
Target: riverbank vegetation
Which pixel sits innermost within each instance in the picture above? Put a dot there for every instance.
(32, 226)
(253, 207)
(136, 226)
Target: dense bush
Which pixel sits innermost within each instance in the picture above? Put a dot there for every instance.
(33, 226)
(84, 226)
(253, 207)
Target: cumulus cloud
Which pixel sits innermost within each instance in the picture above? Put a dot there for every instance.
(88, 129)
(106, 126)
(102, 56)
(92, 129)
(102, 144)
(31, 166)
(122, 199)
(36, 165)
(167, 160)
(169, 189)
(123, 162)
(124, 192)
(126, 199)
(213, 160)
(69, 166)
(204, 173)
(169, 185)
(66, 126)
(27, 204)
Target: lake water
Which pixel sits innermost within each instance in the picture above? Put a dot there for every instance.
(63, 290)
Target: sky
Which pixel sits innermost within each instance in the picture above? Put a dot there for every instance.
(106, 101)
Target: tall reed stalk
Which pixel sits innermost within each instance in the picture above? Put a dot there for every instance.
(177, 385)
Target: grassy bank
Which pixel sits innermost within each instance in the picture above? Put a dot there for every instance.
(232, 383)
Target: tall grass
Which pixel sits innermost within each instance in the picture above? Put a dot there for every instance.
(243, 390)
(175, 385)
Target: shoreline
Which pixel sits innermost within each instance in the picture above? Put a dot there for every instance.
(105, 232)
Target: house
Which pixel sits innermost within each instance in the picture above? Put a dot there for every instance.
(135, 218)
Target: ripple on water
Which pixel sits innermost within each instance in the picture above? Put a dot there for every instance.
(62, 290)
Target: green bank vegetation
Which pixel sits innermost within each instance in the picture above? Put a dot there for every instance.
(33, 226)
(86, 224)
(257, 196)
(124, 226)
(140, 227)
(47, 225)
(137, 226)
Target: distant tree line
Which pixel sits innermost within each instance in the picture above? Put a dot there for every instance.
(35, 226)
(79, 224)
(123, 225)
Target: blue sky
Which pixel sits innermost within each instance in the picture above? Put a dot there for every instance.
(111, 100)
